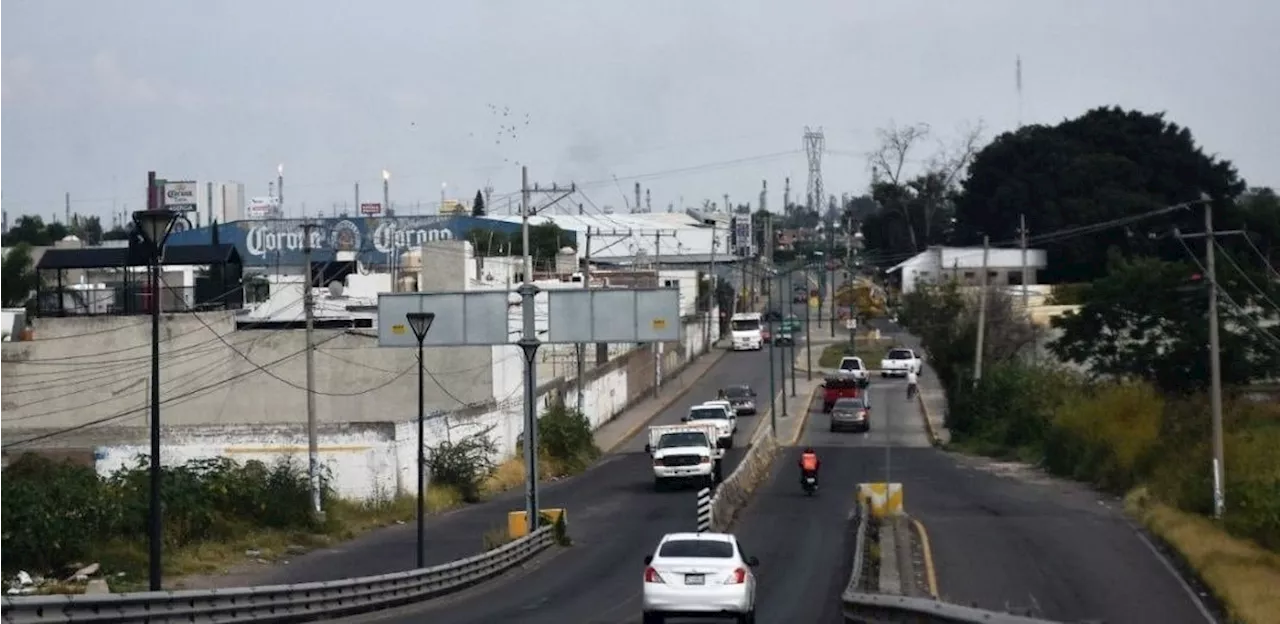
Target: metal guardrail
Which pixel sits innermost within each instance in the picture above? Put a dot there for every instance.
(868, 608)
(301, 602)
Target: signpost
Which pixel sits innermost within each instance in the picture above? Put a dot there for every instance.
(371, 209)
(180, 196)
(492, 318)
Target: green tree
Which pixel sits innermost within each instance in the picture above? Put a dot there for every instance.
(1107, 164)
(477, 205)
(115, 233)
(87, 229)
(19, 276)
(32, 230)
(1146, 319)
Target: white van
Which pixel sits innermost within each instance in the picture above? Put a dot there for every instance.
(744, 330)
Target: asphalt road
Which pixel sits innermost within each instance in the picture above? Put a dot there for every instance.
(1001, 536)
(615, 519)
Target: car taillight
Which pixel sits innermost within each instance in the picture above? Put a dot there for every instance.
(738, 577)
(704, 460)
(651, 576)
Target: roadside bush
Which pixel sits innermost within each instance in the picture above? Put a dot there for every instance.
(1108, 439)
(463, 465)
(60, 513)
(565, 437)
(1011, 408)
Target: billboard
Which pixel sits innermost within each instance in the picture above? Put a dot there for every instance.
(744, 243)
(370, 209)
(262, 207)
(180, 196)
(270, 242)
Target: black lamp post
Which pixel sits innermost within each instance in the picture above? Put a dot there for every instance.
(420, 322)
(154, 226)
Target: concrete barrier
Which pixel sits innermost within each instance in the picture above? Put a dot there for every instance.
(736, 490)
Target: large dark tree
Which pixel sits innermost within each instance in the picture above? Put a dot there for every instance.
(1105, 165)
(477, 205)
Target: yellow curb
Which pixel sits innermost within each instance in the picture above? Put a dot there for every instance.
(671, 401)
(930, 575)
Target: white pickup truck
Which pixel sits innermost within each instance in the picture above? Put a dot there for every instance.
(684, 453)
(852, 366)
(721, 415)
(899, 361)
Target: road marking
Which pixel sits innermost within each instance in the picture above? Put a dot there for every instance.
(1191, 593)
(930, 574)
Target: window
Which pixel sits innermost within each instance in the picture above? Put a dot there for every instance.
(968, 275)
(742, 325)
(686, 438)
(738, 392)
(898, 354)
(848, 404)
(713, 549)
(851, 364)
(707, 413)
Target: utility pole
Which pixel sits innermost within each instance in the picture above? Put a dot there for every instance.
(711, 285)
(648, 202)
(529, 344)
(657, 279)
(582, 348)
(727, 207)
(831, 261)
(637, 206)
(66, 206)
(1215, 365)
(1026, 272)
(313, 441)
(357, 198)
(982, 312)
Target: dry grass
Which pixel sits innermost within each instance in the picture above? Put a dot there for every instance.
(1244, 576)
(510, 475)
(866, 348)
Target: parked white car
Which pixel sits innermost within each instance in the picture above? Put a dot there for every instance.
(699, 575)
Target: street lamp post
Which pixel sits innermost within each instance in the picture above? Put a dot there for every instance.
(808, 336)
(792, 326)
(773, 390)
(420, 322)
(154, 226)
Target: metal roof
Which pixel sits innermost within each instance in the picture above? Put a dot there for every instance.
(117, 257)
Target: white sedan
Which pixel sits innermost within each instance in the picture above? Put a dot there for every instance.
(699, 575)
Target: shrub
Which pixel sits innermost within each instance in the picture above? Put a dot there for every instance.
(1010, 408)
(463, 465)
(565, 437)
(1108, 439)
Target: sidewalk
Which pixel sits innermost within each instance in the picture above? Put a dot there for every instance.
(612, 434)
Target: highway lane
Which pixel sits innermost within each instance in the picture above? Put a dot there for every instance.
(615, 519)
(620, 483)
(1001, 537)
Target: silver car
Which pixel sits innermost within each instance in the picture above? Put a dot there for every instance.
(743, 399)
(851, 413)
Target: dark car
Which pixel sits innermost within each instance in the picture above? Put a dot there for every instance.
(772, 315)
(742, 398)
(851, 413)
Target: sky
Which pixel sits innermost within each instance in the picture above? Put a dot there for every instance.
(694, 99)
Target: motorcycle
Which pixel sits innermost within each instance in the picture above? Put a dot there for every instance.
(810, 484)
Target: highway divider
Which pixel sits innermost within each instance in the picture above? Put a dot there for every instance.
(874, 608)
(735, 491)
(301, 602)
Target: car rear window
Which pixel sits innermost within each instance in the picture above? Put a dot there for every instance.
(851, 364)
(899, 354)
(707, 413)
(851, 404)
(737, 393)
(697, 548)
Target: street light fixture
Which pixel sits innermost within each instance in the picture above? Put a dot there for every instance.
(154, 225)
(420, 323)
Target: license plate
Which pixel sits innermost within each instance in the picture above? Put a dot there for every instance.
(810, 479)
(695, 579)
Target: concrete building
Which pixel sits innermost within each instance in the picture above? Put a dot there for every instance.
(964, 264)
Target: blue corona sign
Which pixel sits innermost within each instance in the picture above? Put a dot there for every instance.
(373, 240)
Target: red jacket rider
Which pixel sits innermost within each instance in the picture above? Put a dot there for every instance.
(809, 461)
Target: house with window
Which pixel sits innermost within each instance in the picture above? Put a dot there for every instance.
(965, 265)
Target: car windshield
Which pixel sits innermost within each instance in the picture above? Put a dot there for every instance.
(684, 438)
(899, 354)
(707, 413)
(851, 364)
(738, 393)
(741, 325)
(849, 404)
(713, 549)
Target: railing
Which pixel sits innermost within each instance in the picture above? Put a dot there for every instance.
(302, 602)
(868, 608)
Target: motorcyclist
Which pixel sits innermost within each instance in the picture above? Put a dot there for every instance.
(809, 464)
(912, 386)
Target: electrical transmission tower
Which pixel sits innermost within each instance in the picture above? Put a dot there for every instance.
(814, 144)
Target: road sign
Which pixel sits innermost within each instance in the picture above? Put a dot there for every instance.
(487, 318)
(613, 315)
(462, 318)
(180, 196)
(371, 209)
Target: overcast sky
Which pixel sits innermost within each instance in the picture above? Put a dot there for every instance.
(709, 96)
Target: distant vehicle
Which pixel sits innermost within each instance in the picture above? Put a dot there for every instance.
(838, 387)
(899, 361)
(851, 413)
(699, 575)
(785, 335)
(719, 415)
(743, 399)
(772, 316)
(745, 329)
(684, 453)
(727, 406)
(799, 294)
(853, 366)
